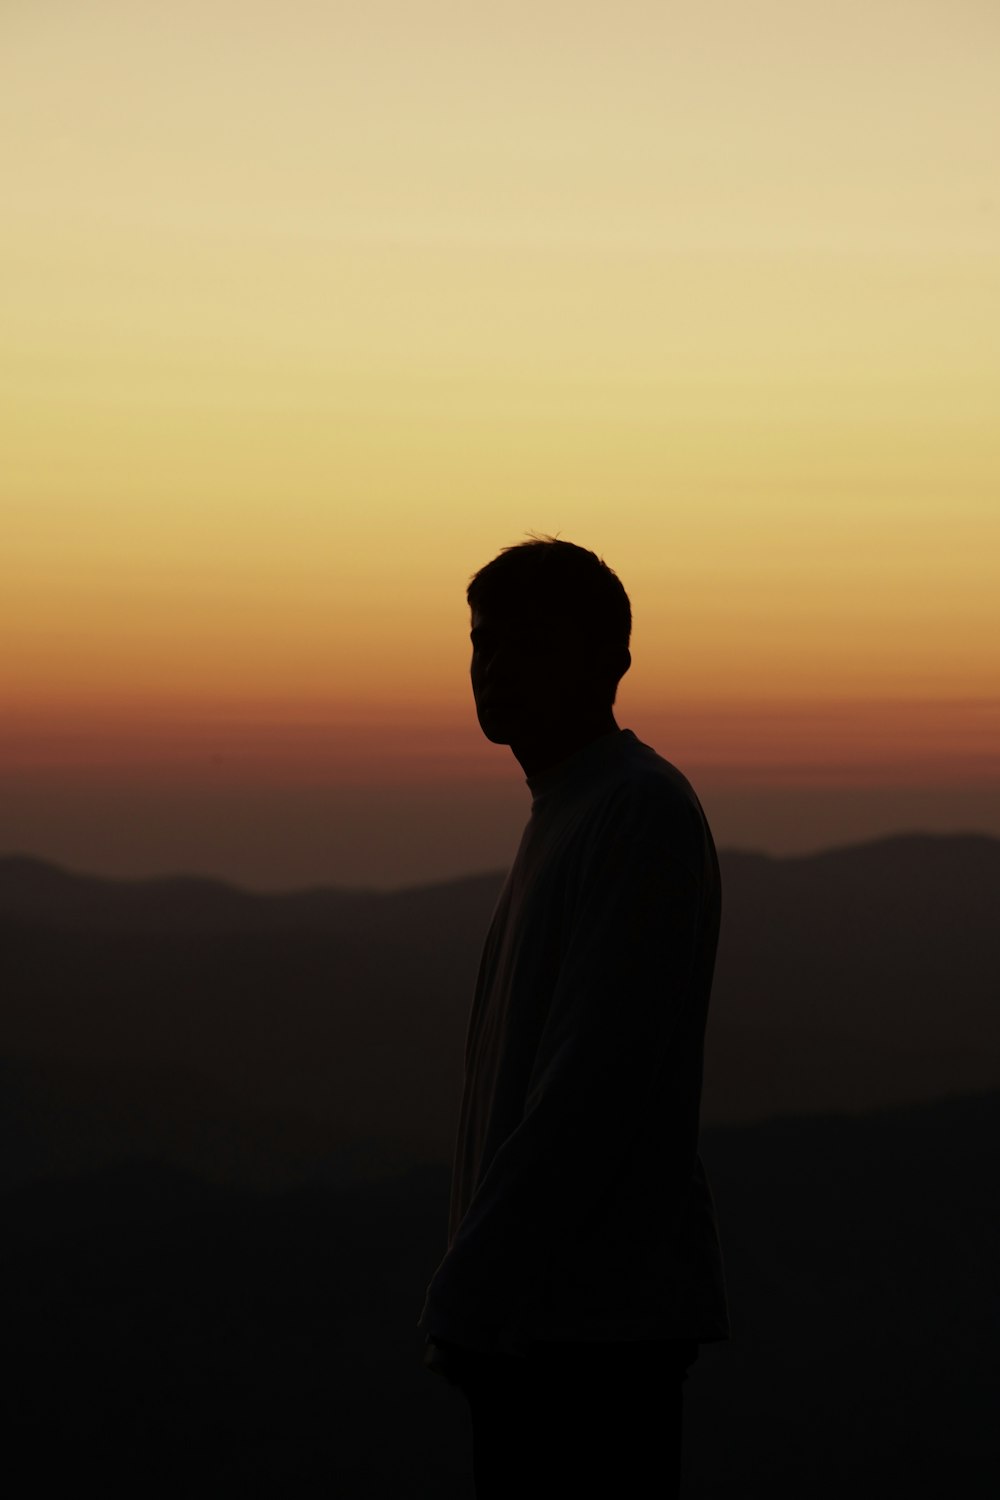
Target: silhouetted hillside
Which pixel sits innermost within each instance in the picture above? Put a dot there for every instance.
(854, 978)
(172, 1337)
(287, 1037)
(172, 1329)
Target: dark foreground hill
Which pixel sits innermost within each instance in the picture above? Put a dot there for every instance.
(226, 1123)
(274, 1039)
(169, 1337)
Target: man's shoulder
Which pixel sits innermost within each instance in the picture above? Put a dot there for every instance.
(646, 825)
(645, 811)
(647, 785)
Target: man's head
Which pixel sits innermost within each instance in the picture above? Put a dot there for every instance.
(550, 632)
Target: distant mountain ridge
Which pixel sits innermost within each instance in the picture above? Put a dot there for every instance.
(264, 1035)
(26, 876)
(32, 888)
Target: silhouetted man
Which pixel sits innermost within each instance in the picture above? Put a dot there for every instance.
(583, 1264)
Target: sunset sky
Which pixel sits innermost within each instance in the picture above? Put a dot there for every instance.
(310, 309)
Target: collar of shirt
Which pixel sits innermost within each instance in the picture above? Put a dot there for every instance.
(580, 768)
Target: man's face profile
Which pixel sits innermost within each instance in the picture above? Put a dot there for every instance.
(528, 675)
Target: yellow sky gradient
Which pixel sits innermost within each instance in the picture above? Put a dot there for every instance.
(308, 310)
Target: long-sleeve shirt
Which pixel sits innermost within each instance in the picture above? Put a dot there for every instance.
(580, 1209)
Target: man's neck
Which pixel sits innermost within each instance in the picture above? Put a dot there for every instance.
(550, 750)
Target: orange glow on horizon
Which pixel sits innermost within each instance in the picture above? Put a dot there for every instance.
(298, 336)
(818, 742)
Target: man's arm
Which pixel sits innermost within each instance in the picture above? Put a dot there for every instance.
(624, 987)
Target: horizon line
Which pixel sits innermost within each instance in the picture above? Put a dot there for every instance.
(194, 877)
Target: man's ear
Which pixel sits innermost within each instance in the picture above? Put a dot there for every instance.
(614, 662)
(610, 665)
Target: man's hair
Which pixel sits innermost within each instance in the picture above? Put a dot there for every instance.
(551, 578)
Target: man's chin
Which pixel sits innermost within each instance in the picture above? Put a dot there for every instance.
(494, 728)
(496, 734)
